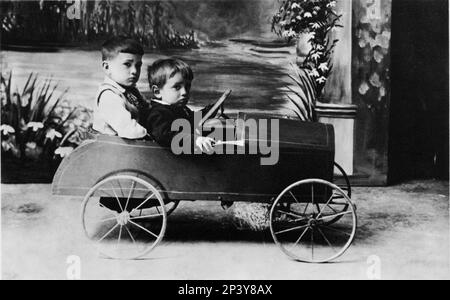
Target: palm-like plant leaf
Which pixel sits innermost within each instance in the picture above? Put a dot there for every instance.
(52, 109)
(306, 94)
(302, 101)
(300, 112)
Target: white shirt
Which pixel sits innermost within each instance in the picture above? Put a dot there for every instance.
(111, 116)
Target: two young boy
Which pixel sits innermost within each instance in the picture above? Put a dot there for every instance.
(121, 109)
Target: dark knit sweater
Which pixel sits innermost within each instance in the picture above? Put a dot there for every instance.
(159, 121)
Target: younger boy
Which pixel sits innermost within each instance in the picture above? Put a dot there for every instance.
(119, 102)
(170, 82)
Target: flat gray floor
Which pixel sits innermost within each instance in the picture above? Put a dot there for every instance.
(403, 233)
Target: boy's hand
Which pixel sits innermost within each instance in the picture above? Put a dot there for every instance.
(205, 143)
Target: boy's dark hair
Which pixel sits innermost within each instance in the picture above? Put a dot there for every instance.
(163, 69)
(120, 44)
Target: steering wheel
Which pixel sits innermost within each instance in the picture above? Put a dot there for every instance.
(215, 108)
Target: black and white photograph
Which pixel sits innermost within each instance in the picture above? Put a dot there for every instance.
(224, 140)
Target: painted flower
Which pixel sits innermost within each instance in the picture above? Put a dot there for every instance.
(363, 88)
(362, 43)
(32, 150)
(289, 33)
(331, 4)
(315, 26)
(35, 125)
(31, 145)
(314, 73)
(307, 15)
(386, 34)
(52, 133)
(382, 93)
(383, 40)
(6, 145)
(375, 80)
(378, 56)
(323, 67)
(315, 56)
(63, 151)
(6, 129)
(295, 5)
(321, 79)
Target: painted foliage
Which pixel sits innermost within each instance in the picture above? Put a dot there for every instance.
(371, 84)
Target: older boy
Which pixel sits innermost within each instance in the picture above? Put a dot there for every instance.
(118, 101)
(170, 82)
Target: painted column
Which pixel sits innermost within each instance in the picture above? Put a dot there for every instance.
(337, 108)
(338, 87)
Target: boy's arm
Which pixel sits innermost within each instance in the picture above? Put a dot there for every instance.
(112, 108)
(159, 123)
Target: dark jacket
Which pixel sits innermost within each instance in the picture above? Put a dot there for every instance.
(159, 122)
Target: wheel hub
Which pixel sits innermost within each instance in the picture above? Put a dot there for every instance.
(312, 222)
(123, 218)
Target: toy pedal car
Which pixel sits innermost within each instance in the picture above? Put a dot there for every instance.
(131, 186)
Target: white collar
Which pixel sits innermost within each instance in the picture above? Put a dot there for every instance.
(113, 83)
(160, 102)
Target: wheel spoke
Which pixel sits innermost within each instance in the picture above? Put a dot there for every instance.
(335, 211)
(326, 204)
(145, 229)
(306, 208)
(120, 235)
(333, 216)
(291, 229)
(291, 214)
(301, 236)
(133, 185)
(312, 243)
(325, 238)
(106, 234)
(129, 233)
(312, 193)
(117, 198)
(105, 220)
(144, 217)
(120, 186)
(142, 203)
(290, 192)
(318, 207)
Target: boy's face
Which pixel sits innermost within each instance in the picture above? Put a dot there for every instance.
(124, 69)
(175, 91)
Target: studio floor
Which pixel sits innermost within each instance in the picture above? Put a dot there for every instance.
(403, 233)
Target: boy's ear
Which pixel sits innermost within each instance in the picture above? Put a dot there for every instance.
(105, 66)
(156, 92)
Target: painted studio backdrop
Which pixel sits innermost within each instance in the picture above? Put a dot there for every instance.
(51, 69)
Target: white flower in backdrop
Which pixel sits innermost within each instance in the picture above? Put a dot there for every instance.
(6, 129)
(63, 151)
(35, 125)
